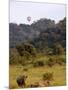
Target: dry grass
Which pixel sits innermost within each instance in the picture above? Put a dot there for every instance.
(35, 74)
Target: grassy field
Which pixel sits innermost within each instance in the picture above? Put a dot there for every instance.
(35, 73)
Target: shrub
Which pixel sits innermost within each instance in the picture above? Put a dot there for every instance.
(25, 69)
(50, 62)
(60, 61)
(38, 63)
(26, 47)
(48, 76)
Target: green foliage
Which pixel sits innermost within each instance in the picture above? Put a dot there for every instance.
(56, 60)
(14, 56)
(26, 48)
(43, 36)
(58, 49)
(37, 45)
(48, 76)
(22, 54)
(62, 24)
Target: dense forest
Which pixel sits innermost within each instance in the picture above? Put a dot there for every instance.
(37, 54)
(42, 36)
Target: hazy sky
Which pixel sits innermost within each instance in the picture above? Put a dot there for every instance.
(19, 11)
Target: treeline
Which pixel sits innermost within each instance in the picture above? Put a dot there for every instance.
(43, 36)
(53, 39)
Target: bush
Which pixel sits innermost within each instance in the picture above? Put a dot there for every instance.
(63, 60)
(38, 63)
(27, 49)
(50, 62)
(25, 69)
(60, 61)
(48, 76)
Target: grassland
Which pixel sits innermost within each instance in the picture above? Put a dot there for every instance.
(35, 73)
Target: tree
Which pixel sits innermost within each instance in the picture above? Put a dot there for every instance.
(14, 56)
(58, 49)
(26, 48)
(27, 53)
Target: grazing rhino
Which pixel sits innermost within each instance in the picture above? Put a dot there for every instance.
(21, 81)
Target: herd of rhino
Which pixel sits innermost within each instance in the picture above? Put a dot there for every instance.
(21, 81)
